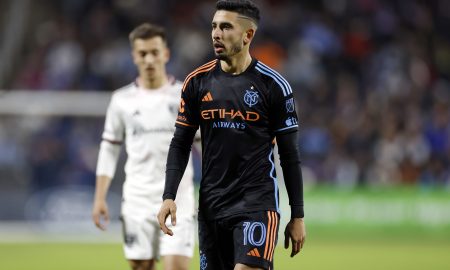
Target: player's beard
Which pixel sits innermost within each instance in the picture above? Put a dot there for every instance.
(235, 49)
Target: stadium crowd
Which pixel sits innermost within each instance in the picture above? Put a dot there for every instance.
(371, 78)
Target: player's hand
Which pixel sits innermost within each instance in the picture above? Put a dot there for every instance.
(100, 214)
(296, 232)
(168, 207)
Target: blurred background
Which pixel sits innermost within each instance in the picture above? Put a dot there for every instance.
(371, 80)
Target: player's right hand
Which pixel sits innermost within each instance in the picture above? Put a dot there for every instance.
(168, 207)
(100, 214)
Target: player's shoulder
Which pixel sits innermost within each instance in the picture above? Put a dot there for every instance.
(200, 71)
(273, 77)
(122, 95)
(125, 90)
(174, 84)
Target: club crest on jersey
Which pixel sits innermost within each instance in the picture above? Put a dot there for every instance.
(251, 97)
(290, 106)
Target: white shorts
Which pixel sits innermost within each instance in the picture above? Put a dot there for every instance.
(144, 240)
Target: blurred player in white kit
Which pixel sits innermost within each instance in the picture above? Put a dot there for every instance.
(142, 114)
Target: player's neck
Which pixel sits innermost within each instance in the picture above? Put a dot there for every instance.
(152, 83)
(236, 64)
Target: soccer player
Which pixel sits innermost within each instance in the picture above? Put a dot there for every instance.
(241, 105)
(142, 114)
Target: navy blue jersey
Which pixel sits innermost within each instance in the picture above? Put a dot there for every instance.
(239, 116)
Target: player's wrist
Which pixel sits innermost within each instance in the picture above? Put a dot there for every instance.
(297, 211)
(168, 196)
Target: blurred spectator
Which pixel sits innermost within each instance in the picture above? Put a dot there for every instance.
(371, 78)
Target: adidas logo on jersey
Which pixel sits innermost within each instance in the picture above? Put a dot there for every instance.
(254, 252)
(207, 97)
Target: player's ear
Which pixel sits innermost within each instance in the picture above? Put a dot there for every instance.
(134, 55)
(167, 54)
(248, 36)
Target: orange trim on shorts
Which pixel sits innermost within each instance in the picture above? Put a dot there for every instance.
(270, 235)
(275, 216)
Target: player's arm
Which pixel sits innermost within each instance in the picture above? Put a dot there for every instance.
(177, 160)
(106, 164)
(285, 125)
(290, 164)
(179, 152)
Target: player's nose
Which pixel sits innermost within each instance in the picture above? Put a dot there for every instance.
(149, 59)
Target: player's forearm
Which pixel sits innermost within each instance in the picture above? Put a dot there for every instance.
(177, 160)
(106, 167)
(108, 156)
(290, 164)
(101, 187)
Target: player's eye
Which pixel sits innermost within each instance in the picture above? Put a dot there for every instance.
(226, 27)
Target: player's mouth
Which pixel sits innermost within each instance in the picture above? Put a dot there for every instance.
(218, 47)
(150, 69)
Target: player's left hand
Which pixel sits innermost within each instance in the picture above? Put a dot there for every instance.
(168, 207)
(296, 232)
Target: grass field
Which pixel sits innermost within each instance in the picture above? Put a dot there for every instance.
(400, 229)
(321, 252)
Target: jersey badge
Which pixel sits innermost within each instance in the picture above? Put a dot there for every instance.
(290, 106)
(251, 97)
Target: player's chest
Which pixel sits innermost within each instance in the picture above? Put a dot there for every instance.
(150, 111)
(242, 102)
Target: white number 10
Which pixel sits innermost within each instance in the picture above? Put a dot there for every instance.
(249, 232)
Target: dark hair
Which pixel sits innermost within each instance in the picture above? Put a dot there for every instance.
(243, 7)
(146, 31)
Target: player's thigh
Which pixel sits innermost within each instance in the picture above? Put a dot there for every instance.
(182, 242)
(176, 262)
(216, 246)
(240, 266)
(142, 264)
(140, 238)
(255, 237)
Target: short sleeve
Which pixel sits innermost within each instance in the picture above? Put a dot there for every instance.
(114, 125)
(283, 112)
(188, 110)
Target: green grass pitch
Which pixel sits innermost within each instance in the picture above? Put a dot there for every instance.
(320, 253)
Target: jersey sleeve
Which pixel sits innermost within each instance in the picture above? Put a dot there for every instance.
(188, 115)
(114, 125)
(283, 112)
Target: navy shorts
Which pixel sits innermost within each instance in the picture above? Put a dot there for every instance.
(248, 238)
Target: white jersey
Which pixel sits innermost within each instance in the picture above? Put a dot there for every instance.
(145, 119)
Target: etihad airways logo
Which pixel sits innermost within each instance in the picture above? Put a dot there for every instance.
(230, 114)
(232, 119)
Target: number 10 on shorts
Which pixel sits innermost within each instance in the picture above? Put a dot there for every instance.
(249, 233)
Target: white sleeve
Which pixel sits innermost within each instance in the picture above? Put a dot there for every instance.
(114, 130)
(107, 158)
(112, 139)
